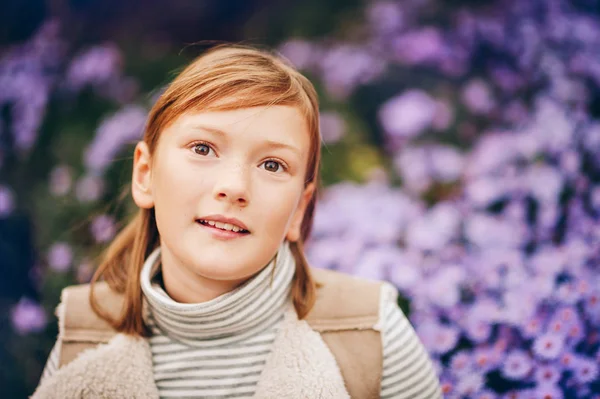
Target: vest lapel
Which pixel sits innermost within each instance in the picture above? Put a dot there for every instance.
(300, 365)
(122, 368)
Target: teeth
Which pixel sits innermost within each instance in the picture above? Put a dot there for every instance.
(223, 226)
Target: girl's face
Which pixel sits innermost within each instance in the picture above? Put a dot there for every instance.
(247, 164)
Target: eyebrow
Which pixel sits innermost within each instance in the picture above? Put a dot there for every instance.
(268, 143)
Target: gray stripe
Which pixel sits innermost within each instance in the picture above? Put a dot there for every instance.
(199, 378)
(242, 320)
(191, 366)
(402, 354)
(182, 349)
(404, 388)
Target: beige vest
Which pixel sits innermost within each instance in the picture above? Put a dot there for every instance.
(345, 316)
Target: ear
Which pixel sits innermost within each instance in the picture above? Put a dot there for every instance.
(141, 179)
(293, 233)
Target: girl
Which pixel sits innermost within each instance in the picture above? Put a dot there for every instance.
(207, 293)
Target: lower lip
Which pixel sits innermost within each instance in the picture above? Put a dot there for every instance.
(222, 234)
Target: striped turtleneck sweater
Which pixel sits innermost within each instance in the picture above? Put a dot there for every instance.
(218, 348)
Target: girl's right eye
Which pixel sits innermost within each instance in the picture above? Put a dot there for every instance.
(201, 149)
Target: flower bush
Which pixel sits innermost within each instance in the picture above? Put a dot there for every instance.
(492, 234)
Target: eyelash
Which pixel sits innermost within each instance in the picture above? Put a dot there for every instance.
(281, 163)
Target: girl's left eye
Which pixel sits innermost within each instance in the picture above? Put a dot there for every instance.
(274, 166)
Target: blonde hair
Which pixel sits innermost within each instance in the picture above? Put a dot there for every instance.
(226, 77)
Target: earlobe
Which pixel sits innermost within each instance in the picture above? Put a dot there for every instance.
(141, 179)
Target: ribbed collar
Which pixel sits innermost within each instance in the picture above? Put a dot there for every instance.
(254, 306)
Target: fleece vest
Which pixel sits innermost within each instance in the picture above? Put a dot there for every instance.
(344, 317)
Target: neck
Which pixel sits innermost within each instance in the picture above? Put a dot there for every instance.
(241, 310)
(184, 286)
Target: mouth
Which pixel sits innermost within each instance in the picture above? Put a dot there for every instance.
(226, 228)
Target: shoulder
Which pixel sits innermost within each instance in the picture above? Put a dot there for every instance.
(76, 315)
(345, 300)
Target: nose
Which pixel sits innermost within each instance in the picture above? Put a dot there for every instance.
(232, 185)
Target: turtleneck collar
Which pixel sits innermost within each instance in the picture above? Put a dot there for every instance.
(251, 307)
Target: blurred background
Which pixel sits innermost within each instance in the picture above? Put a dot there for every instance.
(461, 146)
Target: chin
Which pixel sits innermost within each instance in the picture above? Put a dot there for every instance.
(223, 272)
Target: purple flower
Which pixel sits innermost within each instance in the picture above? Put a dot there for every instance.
(487, 231)
(486, 359)
(548, 346)
(478, 330)
(585, 370)
(407, 115)
(545, 183)
(548, 261)
(447, 385)
(567, 293)
(435, 229)
(443, 288)
(482, 191)
(486, 394)
(299, 52)
(566, 320)
(492, 152)
(103, 228)
(570, 163)
(85, 270)
(447, 163)
(595, 198)
(592, 307)
(522, 394)
(28, 316)
(547, 374)
(7, 202)
(548, 392)
(470, 384)
(438, 338)
(461, 363)
(384, 16)
(516, 365)
(61, 179)
(95, 66)
(332, 127)
(60, 257)
(89, 188)
(506, 79)
(123, 127)
(444, 116)
(477, 97)
(419, 46)
(27, 74)
(567, 360)
(412, 163)
(345, 66)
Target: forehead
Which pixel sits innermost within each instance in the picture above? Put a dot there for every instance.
(277, 123)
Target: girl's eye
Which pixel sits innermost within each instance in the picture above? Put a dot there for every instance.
(201, 149)
(273, 166)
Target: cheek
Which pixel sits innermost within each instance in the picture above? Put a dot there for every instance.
(277, 207)
(177, 187)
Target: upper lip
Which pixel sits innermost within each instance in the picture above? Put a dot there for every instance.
(225, 219)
